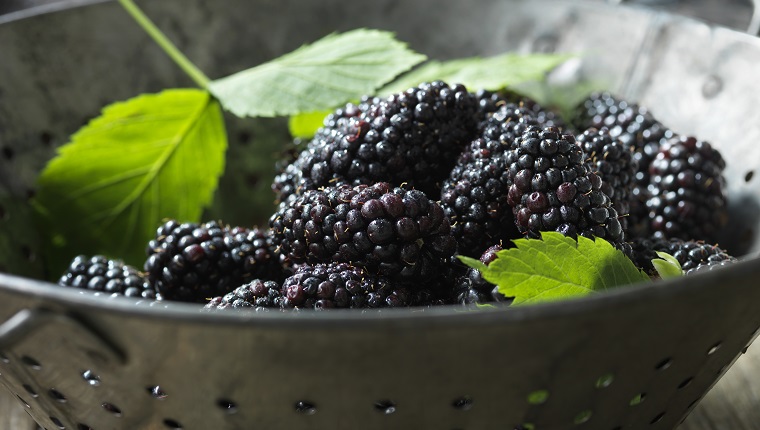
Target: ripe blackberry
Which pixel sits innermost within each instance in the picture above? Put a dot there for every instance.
(99, 273)
(342, 285)
(472, 288)
(635, 127)
(257, 294)
(489, 102)
(396, 232)
(689, 253)
(194, 262)
(613, 163)
(686, 190)
(552, 189)
(474, 197)
(411, 137)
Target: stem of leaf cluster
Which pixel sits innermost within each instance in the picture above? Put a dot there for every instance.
(160, 38)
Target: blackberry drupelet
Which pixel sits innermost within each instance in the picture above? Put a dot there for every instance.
(474, 197)
(195, 262)
(689, 253)
(395, 232)
(612, 161)
(472, 288)
(412, 137)
(687, 198)
(257, 294)
(99, 273)
(342, 285)
(552, 189)
(635, 127)
(489, 102)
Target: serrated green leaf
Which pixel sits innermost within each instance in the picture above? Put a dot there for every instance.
(490, 73)
(304, 125)
(322, 75)
(152, 157)
(557, 267)
(667, 266)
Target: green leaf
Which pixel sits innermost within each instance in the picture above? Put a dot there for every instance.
(490, 73)
(557, 267)
(667, 266)
(304, 125)
(152, 157)
(323, 75)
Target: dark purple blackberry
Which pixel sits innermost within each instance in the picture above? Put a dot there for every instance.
(472, 288)
(396, 232)
(194, 262)
(490, 102)
(412, 137)
(99, 273)
(257, 294)
(711, 265)
(635, 127)
(689, 253)
(474, 197)
(612, 161)
(687, 198)
(342, 285)
(552, 189)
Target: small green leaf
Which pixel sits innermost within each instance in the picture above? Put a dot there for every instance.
(472, 262)
(490, 73)
(557, 267)
(304, 125)
(323, 75)
(152, 157)
(667, 266)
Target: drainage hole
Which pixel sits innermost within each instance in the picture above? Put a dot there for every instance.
(385, 407)
(171, 424)
(638, 399)
(713, 349)
(58, 423)
(582, 417)
(306, 408)
(30, 390)
(605, 381)
(463, 403)
(8, 153)
(664, 364)
(749, 175)
(4, 358)
(29, 361)
(112, 409)
(685, 383)
(227, 406)
(91, 378)
(81, 426)
(538, 397)
(57, 395)
(157, 392)
(657, 418)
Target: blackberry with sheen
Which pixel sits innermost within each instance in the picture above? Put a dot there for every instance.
(474, 196)
(257, 294)
(552, 189)
(99, 273)
(613, 163)
(472, 288)
(396, 232)
(691, 254)
(489, 102)
(195, 262)
(342, 285)
(412, 137)
(686, 188)
(636, 128)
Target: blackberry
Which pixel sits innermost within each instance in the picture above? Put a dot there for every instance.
(474, 197)
(613, 163)
(341, 285)
(396, 232)
(636, 128)
(552, 189)
(472, 288)
(692, 255)
(257, 294)
(686, 190)
(489, 102)
(99, 273)
(194, 262)
(411, 137)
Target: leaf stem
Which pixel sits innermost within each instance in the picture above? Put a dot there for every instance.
(160, 38)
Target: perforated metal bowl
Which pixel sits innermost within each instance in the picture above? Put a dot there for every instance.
(637, 358)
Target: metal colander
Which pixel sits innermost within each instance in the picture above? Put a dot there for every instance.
(636, 358)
